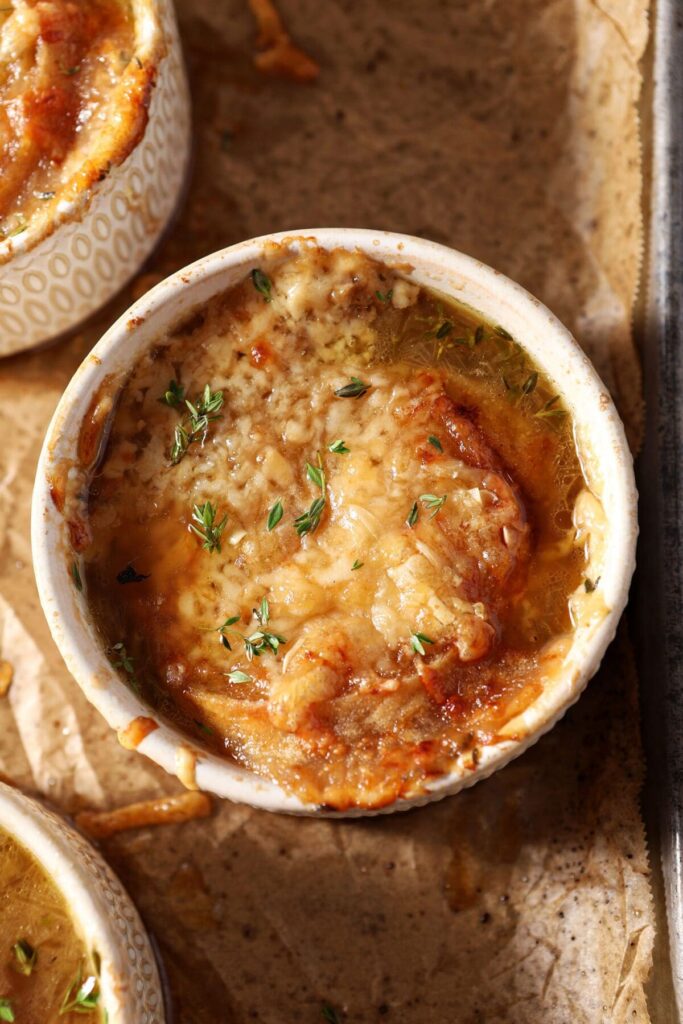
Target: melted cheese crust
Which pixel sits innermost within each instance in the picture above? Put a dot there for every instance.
(348, 711)
(73, 97)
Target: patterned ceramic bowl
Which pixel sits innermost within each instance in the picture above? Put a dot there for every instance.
(109, 923)
(600, 438)
(59, 271)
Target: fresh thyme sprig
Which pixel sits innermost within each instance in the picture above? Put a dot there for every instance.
(355, 389)
(25, 957)
(257, 643)
(195, 426)
(208, 530)
(80, 996)
(417, 642)
(309, 521)
(433, 502)
(357, 565)
(260, 642)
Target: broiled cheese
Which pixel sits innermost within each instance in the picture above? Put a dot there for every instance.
(410, 616)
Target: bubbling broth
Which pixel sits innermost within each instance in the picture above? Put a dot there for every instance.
(334, 532)
(44, 966)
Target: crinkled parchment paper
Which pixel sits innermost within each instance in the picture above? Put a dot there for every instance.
(506, 128)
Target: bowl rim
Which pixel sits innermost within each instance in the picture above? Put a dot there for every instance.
(81, 875)
(558, 354)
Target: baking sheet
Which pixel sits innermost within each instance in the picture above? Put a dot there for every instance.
(509, 130)
(657, 610)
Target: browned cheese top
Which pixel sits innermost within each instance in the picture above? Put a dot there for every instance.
(333, 531)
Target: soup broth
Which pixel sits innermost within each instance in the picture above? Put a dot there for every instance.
(45, 967)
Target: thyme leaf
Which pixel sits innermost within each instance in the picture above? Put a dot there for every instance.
(329, 1014)
(262, 283)
(502, 333)
(120, 658)
(386, 297)
(76, 576)
(237, 676)
(353, 390)
(417, 642)
(262, 613)
(195, 426)
(338, 448)
(6, 1011)
(25, 957)
(530, 383)
(413, 516)
(228, 622)
(433, 502)
(174, 394)
(316, 475)
(275, 515)
(550, 409)
(434, 441)
(443, 330)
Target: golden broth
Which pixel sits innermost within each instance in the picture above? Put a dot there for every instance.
(42, 953)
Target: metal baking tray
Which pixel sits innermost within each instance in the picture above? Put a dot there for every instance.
(657, 608)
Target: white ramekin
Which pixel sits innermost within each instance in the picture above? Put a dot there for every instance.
(600, 440)
(98, 903)
(55, 275)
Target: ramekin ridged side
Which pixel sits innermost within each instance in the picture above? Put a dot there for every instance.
(55, 281)
(103, 911)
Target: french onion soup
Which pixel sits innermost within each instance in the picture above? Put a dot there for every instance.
(338, 530)
(73, 101)
(46, 972)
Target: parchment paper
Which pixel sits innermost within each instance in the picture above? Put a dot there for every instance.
(507, 128)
